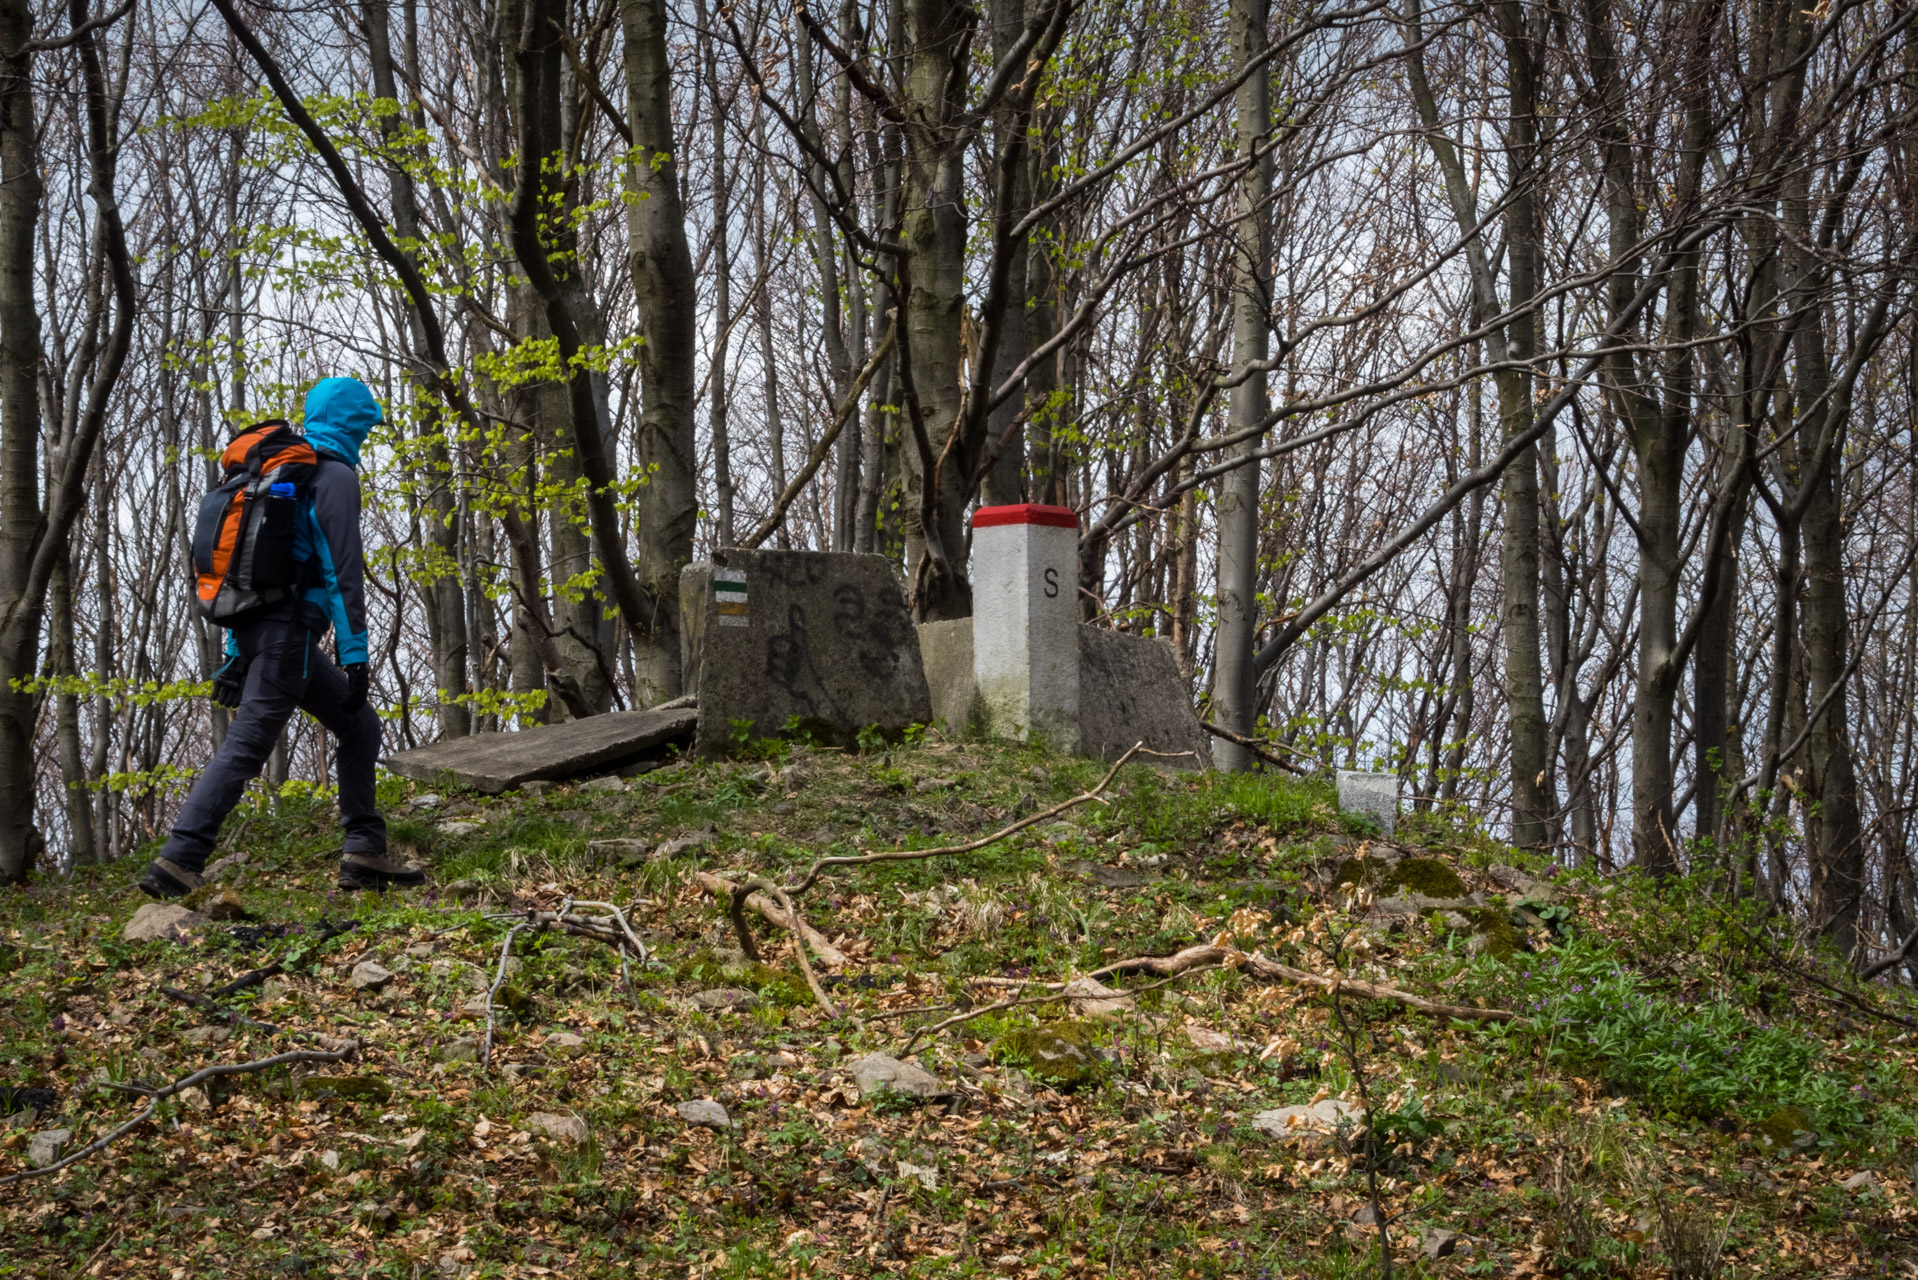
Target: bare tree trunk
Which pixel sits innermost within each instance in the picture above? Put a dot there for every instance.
(662, 265)
(441, 592)
(73, 766)
(1004, 481)
(720, 390)
(1233, 689)
(938, 33)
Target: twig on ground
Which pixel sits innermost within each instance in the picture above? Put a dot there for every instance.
(505, 951)
(972, 846)
(797, 928)
(160, 1095)
(1256, 746)
(720, 887)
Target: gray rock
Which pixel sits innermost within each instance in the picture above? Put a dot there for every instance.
(427, 801)
(499, 762)
(44, 1148)
(608, 783)
(1130, 690)
(465, 890)
(370, 975)
(877, 1071)
(1091, 998)
(460, 830)
(207, 1035)
(536, 788)
(1439, 1243)
(1527, 887)
(704, 1112)
(1374, 794)
(1865, 1181)
(702, 839)
(1108, 877)
(564, 1044)
(162, 922)
(1317, 1120)
(621, 853)
(462, 1049)
(716, 998)
(226, 868)
(560, 1128)
(821, 638)
(925, 1175)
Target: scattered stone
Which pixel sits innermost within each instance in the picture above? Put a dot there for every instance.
(877, 1072)
(370, 975)
(928, 786)
(530, 758)
(924, 1174)
(704, 838)
(458, 971)
(427, 801)
(1108, 877)
(1866, 1181)
(225, 868)
(459, 831)
(625, 854)
(421, 951)
(717, 998)
(564, 1044)
(1528, 887)
(206, 1035)
(162, 922)
(1206, 1040)
(329, 1159)
(1061, 1053)
(381, 1217)
(610, 782)
(560, 1128)
(460, 1049)
(1307, 1122)
(1091, 998)
(816, 641)
(704, 1112)
(1367, 1216)
(1439, 1243)
(44, 1148)
(536, 788)
(465, 891)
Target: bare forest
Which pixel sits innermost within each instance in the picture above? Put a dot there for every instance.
(1518, 396)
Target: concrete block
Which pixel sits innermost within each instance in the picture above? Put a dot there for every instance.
(496, 762)
(1025, 615)
(1373, 794)
(1130, 690)
(821, 638)
(946, 650)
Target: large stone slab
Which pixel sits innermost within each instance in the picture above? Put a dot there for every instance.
(1373, 794)
(1130, 690)
(817, 641)
(496, 762)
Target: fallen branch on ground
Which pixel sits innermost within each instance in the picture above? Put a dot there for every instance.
(1260, 966)
(178, 1086)
(1064, 993)
(1257, 747)
(829, 955)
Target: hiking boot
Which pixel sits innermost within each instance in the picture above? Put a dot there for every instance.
(378, 872)
(165, 879)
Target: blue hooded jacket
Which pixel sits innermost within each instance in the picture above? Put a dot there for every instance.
(339, 414)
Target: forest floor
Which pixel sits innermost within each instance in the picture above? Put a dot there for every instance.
(1683, 1092)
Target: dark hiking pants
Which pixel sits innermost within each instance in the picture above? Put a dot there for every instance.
(286, 670)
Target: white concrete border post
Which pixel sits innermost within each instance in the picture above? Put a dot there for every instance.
(1025, 621)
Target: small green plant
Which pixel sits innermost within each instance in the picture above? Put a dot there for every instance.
(870, 739)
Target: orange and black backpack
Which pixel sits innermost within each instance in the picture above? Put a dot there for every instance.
(243, 540)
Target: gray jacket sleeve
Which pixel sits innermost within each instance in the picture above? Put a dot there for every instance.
(336, 538)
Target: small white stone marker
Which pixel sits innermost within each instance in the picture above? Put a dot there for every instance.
(1025, 621)
(1373, 794)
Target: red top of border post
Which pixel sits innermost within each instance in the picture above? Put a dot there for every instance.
(1026, 513)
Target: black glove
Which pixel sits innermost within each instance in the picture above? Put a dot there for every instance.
(229, 682)
(357, 683)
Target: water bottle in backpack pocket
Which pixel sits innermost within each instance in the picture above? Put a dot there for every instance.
(244, 537)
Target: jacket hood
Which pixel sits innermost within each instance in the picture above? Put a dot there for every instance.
(339, 414)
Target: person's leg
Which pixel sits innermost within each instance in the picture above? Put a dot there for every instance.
(275, 680)
(364, 863)
(358, 735)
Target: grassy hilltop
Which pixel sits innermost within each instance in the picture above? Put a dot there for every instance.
(1683, 1091)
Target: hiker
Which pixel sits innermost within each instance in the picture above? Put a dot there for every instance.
(294, 503)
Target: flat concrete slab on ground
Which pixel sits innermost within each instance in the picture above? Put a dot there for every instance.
(496, 762)
(817, 641)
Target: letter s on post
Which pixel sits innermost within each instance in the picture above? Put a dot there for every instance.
(1052, 583)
